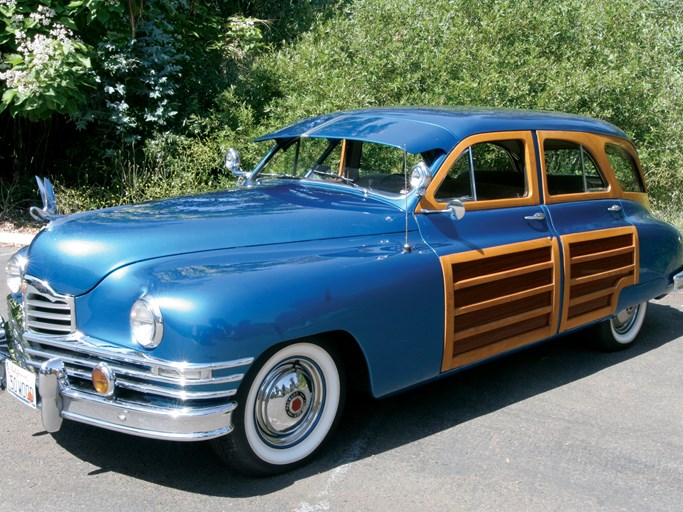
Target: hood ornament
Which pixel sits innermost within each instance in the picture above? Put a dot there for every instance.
(47, 194)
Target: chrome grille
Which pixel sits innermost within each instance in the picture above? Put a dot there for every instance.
(46, 312)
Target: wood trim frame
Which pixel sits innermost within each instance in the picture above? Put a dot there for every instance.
(429, 202)
(498, 299)
(626, 145)
(595, 144)
(342, 158)
(597, 266)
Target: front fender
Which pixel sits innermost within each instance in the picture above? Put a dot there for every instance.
(229, 304)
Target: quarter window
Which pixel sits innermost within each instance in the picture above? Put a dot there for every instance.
(484, 171)
(625, 168)
(570, 169)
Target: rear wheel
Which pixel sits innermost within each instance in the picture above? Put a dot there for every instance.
(287, 407)
(620, 331)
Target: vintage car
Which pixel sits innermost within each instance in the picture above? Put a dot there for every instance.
(375, 249)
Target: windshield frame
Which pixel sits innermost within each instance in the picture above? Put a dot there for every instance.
(258, 177)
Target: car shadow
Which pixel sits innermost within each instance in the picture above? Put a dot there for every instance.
(370, 427)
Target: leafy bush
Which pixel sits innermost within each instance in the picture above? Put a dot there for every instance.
(617, 61)
(200, 76)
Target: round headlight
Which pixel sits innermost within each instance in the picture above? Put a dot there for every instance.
(14, 271)
(146, 323)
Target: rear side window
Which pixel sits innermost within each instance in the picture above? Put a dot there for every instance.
(625, 168)
(570, 169)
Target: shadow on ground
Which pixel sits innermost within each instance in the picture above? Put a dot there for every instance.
(404, 418)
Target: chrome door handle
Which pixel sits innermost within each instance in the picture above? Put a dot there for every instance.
(614, 208)
(535, 216)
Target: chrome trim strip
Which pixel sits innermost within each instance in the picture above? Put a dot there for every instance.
(129, 372)
(180, 394)
(173, 393)
(91, 346)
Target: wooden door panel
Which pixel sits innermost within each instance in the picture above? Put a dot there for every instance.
(499, 298)
(597, 265)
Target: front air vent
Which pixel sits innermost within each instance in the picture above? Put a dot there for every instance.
(46, 312)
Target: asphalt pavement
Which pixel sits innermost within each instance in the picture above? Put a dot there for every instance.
(558, 427)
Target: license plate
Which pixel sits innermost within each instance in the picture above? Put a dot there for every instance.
(21, 383)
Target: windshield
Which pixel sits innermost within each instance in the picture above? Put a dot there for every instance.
(376, 167)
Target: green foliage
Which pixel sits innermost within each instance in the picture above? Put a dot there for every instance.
(615, 60)
(165, 87)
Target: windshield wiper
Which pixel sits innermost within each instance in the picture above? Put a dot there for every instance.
(280, 176)
(335, 176)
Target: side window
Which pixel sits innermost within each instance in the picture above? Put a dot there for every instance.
(485, 171)
(377, 166)
(570, 169)
(625, 168)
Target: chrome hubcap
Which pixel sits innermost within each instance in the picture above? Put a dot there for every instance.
(289, 401)
(624, 319)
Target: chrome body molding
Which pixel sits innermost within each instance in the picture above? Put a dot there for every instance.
(678, 281)
(84, 351)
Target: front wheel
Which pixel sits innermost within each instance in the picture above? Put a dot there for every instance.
(286, 409)
(620, 331)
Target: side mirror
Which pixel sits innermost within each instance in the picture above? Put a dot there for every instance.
(233, 162)
(457, 208)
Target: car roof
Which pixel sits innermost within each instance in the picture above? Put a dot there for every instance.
(421, 129)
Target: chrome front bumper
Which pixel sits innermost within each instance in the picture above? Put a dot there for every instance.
(58, 401)
(174, 420)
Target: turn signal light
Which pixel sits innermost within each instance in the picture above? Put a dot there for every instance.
(103, 379)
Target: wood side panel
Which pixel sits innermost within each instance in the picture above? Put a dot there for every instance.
(492, 349)
(531, 325)
(505, 309)
(582, 248)
(495, 264)
(507, 299)
(603, 254)
(597, 266)
(498, 299)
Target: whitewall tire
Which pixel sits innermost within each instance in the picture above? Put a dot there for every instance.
(287, 407)
(620, 331)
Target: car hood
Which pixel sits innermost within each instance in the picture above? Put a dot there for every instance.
(75, 252)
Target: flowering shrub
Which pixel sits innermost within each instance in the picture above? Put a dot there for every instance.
(46, 68)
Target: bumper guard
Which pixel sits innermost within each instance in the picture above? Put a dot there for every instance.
(678, 281)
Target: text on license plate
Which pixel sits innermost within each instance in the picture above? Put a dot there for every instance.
(21, 383)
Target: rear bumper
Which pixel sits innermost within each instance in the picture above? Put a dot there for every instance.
(678, 281)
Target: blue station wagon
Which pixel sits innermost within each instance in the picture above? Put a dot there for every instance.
(378, 248)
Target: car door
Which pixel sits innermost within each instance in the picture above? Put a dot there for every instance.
(501, 262)
(599, 245)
